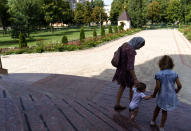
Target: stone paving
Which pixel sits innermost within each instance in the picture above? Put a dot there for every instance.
(73, 90)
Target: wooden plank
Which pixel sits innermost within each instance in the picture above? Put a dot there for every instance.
(31, 115)
(54, 120)
(75, 116)
(11, 119)
(98, 122)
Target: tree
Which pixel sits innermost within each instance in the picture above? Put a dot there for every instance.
(163, 10)
(185, 10)
(174, 11)
(57, 11)
(154, 11)
(4, 16)
(137, 12)
(110, 29)
(94, 33)
(79, 13)
(22, 40)
(102, 31)
(99, 15)
(98, 3)
(24, 15)
(82, 34)
(116, 9)
(87, 13)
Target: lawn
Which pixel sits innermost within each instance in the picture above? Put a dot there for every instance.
(47, 36)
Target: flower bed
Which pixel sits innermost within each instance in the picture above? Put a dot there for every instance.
(186, 30)
(70, 46)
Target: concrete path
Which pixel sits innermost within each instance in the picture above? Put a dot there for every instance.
(95, 62)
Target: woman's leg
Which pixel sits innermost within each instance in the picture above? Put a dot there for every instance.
(155, 114)
(119, 94)
(164, 117)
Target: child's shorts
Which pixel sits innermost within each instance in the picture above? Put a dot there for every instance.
(131, 110)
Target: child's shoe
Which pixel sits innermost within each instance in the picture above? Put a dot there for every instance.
(152, 123)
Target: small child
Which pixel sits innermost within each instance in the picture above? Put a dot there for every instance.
(165, 90)
(138, 95)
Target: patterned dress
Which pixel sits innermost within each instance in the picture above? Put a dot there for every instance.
(166, 97)
(126, 63)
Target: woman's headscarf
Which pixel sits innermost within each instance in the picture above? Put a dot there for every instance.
(136, 42)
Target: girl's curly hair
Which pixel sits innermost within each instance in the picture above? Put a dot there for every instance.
(166, 62)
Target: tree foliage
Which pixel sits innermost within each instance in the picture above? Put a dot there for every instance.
(79, 13)
(87, 13)
(4, 16)
(174, 11)
(99, 15)
(154, 11)
(137, 12)
(116, 9)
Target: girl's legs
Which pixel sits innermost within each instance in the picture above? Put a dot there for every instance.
(119, 94)
(155, 114)
(163, 120)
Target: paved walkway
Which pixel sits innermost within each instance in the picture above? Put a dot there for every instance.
(73, 90)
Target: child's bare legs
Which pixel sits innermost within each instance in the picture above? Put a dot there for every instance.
(133, 114)
(164, 117)
(155, 114)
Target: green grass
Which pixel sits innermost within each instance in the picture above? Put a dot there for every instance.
(47, 36)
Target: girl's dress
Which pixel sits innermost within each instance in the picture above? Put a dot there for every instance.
(166, 98)
(126, 63)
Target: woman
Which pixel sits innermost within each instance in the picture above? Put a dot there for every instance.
(125, 74)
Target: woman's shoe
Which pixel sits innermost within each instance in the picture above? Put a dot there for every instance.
(152, 123)
(117, 108)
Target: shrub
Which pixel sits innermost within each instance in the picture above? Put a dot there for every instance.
(116, 29)
(64, 39)
(110, 29)
(94, 33)
(82, 34)
(22, 40)
(102, 31)
(40, 47)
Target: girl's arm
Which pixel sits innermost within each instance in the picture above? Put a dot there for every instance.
(156, 88)
(179, 85)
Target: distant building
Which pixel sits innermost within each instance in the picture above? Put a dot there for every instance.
(124, 18)
(74, 2)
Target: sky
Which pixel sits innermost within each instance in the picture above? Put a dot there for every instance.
(108, 2)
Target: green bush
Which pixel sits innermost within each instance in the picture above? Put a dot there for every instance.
(102, 31)
(116, 29)
(39, 47)
(94, 33)
(110, 29)
(22, 40)
(64, 39)
(82, 34)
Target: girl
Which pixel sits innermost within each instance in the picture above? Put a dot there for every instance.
(165, 90)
